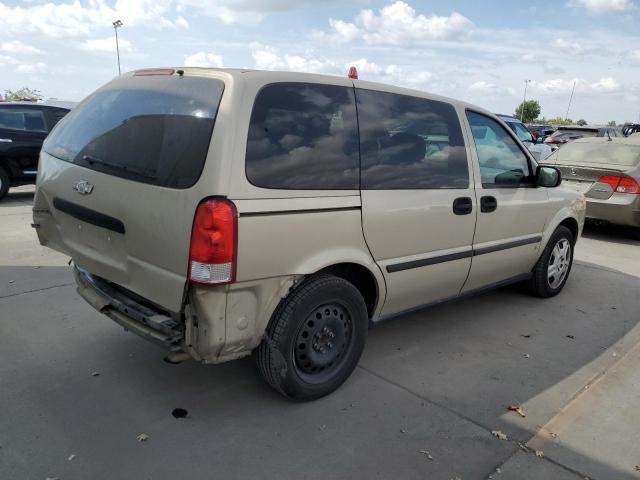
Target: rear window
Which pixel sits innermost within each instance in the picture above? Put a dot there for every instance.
(152, 129)
(27, 120)
(615, 153)
(303, 136)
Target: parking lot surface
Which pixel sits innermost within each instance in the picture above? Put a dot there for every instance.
(428, 400)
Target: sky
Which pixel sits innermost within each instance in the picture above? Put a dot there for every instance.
(479, 51)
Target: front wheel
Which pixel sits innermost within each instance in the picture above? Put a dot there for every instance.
(315, 339)
(552, 270)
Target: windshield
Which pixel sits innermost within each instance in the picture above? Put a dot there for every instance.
(153, 129)
(521, 131)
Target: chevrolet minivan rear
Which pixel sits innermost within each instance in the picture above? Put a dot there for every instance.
(121, 176)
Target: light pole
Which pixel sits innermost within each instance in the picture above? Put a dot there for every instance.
(524, 100)
(570, 98)
(116, 25)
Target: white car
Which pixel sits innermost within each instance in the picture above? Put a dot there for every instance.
(540, 151)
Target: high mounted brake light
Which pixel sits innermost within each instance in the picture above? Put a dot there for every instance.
(154, 71)
(214, 236)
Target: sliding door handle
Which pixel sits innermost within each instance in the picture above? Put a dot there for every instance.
(488, 204)
(462, 206)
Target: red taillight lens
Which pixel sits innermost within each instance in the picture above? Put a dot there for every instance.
(621, 184)
(610, 180)
(628, 185)
(212, 259)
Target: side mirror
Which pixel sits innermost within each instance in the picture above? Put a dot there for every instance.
(549, 177)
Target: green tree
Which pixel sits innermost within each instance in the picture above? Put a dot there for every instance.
(531, 111)
(24, 94)
(612, 123)
(560, 121)
(582, 122)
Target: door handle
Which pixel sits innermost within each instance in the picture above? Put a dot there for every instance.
(462, 206)
(488, 204)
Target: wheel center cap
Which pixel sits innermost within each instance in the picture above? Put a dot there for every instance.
(323, 340)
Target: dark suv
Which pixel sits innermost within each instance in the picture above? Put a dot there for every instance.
(23, 128)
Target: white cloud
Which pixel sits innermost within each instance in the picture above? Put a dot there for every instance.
(182, 22)
(31, 68)
(77, 19)
(562, 86)
(567, 46)
(107, 44)
(598, 7)
(268, 58)
(605, 85)
(248, 12)
(397, 24)
(557, 85)
(634, 56)
(16, 46)
(483, 88)
(203, 59)
(7, 60)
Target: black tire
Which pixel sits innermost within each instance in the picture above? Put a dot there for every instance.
(315, 338)
(5, 183)
(541, 284)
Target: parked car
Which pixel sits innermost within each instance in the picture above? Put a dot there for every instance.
(23, 128)
(630, 129)
(565, 134)
(540, 151)
(541, 131)
(608, 173)
(224, 212)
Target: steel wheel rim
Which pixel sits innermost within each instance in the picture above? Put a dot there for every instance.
(559, 262)
(323, 341)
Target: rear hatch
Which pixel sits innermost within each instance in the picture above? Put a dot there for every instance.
(116, 176)
(585, 161)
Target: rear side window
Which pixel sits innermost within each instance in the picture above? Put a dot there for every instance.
(410, 143)
(27, 120)
(151, 129)
(303, 136)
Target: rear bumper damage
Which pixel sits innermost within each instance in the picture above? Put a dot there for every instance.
(133, 316)
(220, 323)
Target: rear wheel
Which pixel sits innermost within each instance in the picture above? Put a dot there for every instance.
(315, 338)
(5, 183)
(552, 270)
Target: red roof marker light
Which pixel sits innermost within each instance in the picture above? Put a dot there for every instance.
(353, 73)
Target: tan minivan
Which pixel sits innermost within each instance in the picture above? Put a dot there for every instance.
(224, 212)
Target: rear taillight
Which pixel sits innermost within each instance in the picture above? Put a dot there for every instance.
(621, 184)
(214, 236)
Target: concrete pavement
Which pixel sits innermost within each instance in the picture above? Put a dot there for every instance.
(436, 381)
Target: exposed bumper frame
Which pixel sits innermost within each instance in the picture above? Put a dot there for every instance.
(128, 312)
